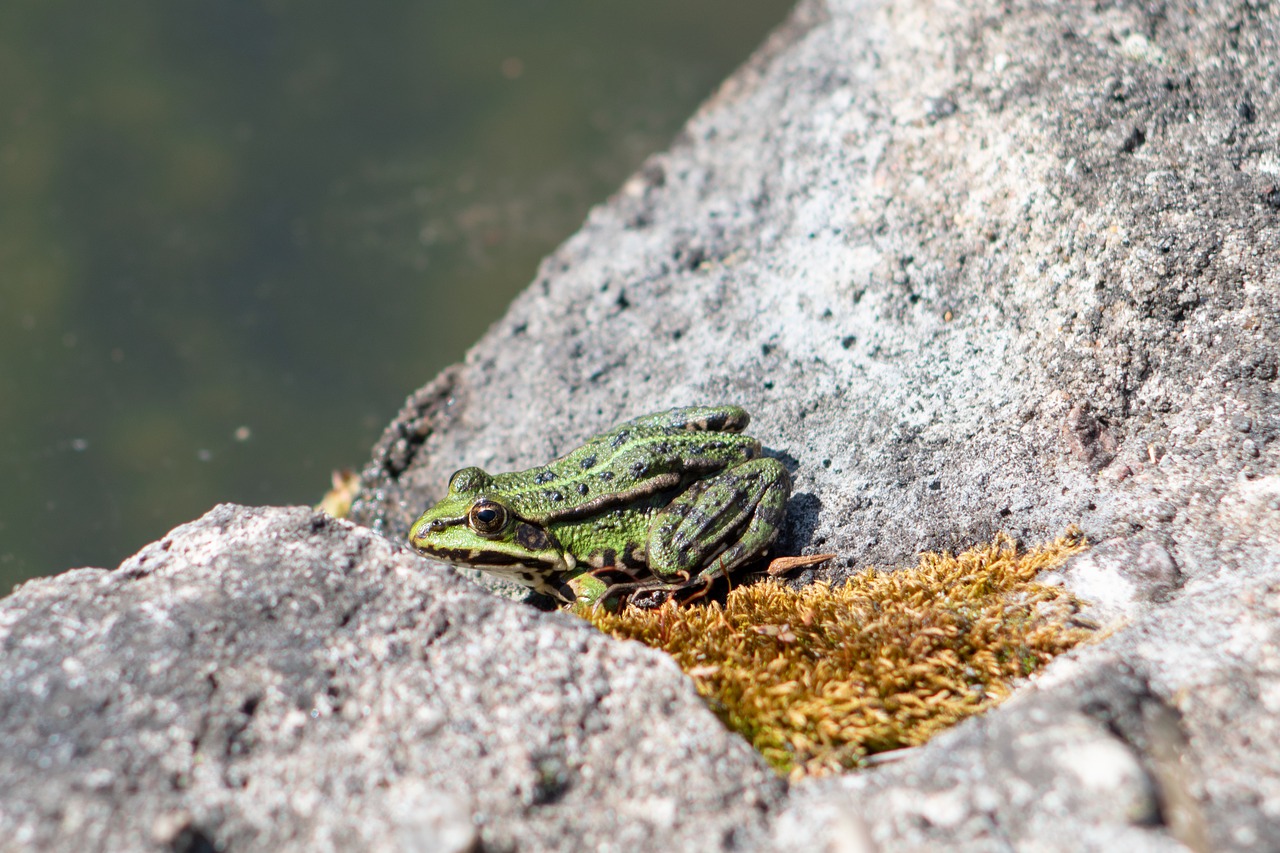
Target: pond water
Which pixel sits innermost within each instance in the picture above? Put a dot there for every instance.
(235, 235)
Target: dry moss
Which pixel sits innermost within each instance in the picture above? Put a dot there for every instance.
(818, 679)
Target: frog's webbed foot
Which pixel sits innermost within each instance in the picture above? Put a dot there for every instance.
(636, 591)
(592, 590)
(603, 586)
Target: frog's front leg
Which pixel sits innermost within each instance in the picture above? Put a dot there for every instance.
(720, 522)
(585, 589)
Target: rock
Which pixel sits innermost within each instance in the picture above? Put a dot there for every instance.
(947, 322)
(973, 267)
(1087, 439)
(1036, 776)
(1121, 578)
(273, 679)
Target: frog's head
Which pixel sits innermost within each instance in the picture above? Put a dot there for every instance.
(474, 526)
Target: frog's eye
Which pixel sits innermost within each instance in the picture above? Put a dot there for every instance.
(487, 516)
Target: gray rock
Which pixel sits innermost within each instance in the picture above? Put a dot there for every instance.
(1121, 578)
(973, 268)
(273, 679)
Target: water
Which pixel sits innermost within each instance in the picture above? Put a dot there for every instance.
(235, 235)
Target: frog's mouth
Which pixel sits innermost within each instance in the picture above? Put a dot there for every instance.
(518, 569)
(498, 561)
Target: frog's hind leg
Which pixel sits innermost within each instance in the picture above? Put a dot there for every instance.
(721, 522)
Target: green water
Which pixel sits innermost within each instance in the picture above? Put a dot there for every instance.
(234, 235)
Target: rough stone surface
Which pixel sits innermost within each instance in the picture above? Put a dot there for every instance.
(273, 679)
(1163, 737)
(979, 267)
(1122, 578)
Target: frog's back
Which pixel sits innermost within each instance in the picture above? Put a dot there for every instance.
(641, 457)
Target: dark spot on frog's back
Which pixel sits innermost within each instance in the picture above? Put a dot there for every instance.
(606, 476)
(589, 462)
(583, 489)
(621, 438)
(545, 477)
(732, 420)
(554, 497)
(700, 519)
(639, 468)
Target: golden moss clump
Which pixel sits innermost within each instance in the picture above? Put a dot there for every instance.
(820, 678)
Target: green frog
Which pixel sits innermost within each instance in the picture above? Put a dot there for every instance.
(662, 502)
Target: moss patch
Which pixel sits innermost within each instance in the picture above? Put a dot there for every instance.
(817, 679)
